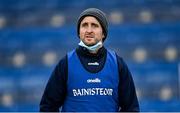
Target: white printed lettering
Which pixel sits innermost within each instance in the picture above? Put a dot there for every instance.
(92, 91)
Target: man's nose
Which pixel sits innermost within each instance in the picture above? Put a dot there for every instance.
(89, 29)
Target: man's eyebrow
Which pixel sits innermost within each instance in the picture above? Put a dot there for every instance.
(84, 23)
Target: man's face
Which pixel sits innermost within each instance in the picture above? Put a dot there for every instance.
(90, 31)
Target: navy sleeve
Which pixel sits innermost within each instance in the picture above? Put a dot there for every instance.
(55, 90)
(128, 101)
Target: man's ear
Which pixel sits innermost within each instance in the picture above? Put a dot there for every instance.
(103, 36)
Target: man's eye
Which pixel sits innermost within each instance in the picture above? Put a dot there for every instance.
(84, 25)
(95, 25)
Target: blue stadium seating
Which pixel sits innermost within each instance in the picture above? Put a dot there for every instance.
(28, 30)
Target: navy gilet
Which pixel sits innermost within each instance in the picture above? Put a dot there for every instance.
(92, 92)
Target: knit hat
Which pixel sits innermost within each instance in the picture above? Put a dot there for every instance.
(99, 15)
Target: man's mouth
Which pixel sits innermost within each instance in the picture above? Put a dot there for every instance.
(89, 36)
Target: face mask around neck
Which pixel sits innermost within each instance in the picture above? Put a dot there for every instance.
(93, 48)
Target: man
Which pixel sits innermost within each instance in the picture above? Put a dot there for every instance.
(90, 78)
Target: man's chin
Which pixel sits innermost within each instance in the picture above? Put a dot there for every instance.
(89, 44)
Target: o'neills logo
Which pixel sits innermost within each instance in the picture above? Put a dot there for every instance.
(96, 80)
(93, 63)
(92, 91)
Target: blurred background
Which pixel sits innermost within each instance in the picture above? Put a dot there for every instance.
(36, 34)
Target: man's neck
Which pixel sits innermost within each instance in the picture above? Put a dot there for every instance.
(96, 51)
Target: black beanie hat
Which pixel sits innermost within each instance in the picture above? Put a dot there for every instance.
(99, 15)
